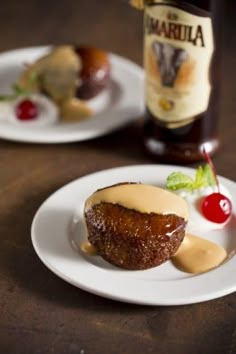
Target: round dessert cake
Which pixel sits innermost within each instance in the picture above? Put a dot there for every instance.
(135, 226)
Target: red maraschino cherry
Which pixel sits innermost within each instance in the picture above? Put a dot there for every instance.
(215, 207)
(26, 110)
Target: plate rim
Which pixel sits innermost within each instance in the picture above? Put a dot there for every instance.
(70, 138)
(119, 297)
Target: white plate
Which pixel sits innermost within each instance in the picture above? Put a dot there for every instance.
(116, 106)
(58, 228)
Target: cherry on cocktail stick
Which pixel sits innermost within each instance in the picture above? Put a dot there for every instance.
(216, 207)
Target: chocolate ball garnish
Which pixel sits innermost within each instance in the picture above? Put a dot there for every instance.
(94, 75)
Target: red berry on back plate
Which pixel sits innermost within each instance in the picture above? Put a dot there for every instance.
(26, 110)
(216, 207)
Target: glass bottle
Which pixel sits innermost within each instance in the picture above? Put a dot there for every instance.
(182, 85)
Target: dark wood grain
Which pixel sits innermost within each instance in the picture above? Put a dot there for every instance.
(40, 313)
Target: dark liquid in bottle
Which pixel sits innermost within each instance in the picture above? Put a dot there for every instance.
(184, 143)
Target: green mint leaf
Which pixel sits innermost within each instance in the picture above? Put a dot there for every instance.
(18, 91)
(33, 76)
(203, 178)
(5, 97)
(208, 176)
(9, 97)
(178, 180)
(199, 180)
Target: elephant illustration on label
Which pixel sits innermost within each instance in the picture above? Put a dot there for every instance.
(169, 60)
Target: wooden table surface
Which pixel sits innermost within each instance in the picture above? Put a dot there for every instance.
(40, 313)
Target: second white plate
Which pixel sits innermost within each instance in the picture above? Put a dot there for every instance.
(58, 229)
(116, 106)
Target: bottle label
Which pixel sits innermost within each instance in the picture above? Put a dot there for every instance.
(178, 48)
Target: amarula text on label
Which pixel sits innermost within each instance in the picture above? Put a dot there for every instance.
(175, 31)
